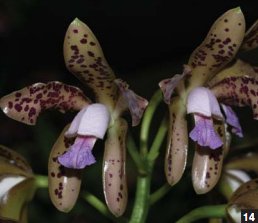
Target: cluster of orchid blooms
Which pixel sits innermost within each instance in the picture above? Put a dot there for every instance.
(212, 81)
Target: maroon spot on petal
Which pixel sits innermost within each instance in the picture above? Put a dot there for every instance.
(81, 60)
(10, 104)
(52, 174)
(110, 175)
(75, 30)
(18, 94)
(91, 54)
(18, 107)
(92, 43)
(39, 96)
(59, 175)
(26, 108)
(83, 41)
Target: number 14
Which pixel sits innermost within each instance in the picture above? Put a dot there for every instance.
(249, 218)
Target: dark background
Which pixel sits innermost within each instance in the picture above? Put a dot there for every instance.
(144, 42)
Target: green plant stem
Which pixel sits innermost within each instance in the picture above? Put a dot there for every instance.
(161, 133)
(147, 118)
(214, 211)
(41, 181)
(158, 194)
(142, 200)
(141, 204)
(134, 153)
(99, 205)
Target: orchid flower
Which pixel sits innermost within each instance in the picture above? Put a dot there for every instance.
(17, 186)
(211, 82)
(73, 149)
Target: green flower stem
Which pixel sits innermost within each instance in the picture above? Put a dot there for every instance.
(214, 211)
(134, 153)
(158, 194)
(147, 118)
(41, 181)
(141, 204)
(142, 200)
(100, 206)
(161, 133)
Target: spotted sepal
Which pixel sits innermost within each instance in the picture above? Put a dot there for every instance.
(169, 85)
(26, 104)
(251, 38)
(64, 183)
(238, 91)
(218, 48)
(132, 101)
(177, 142)
(237, 69)
(84, 58)
(207, 163)
(114, 173)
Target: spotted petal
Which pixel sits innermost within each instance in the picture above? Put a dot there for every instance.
(114, 175)
(64, 183)
(84, 58)
(237, 69)
(251, 38)
(26, 104)
(177, 142)
(207, 164)
(238, 91)
(232, 119)
(135, 103)
(219, 47)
